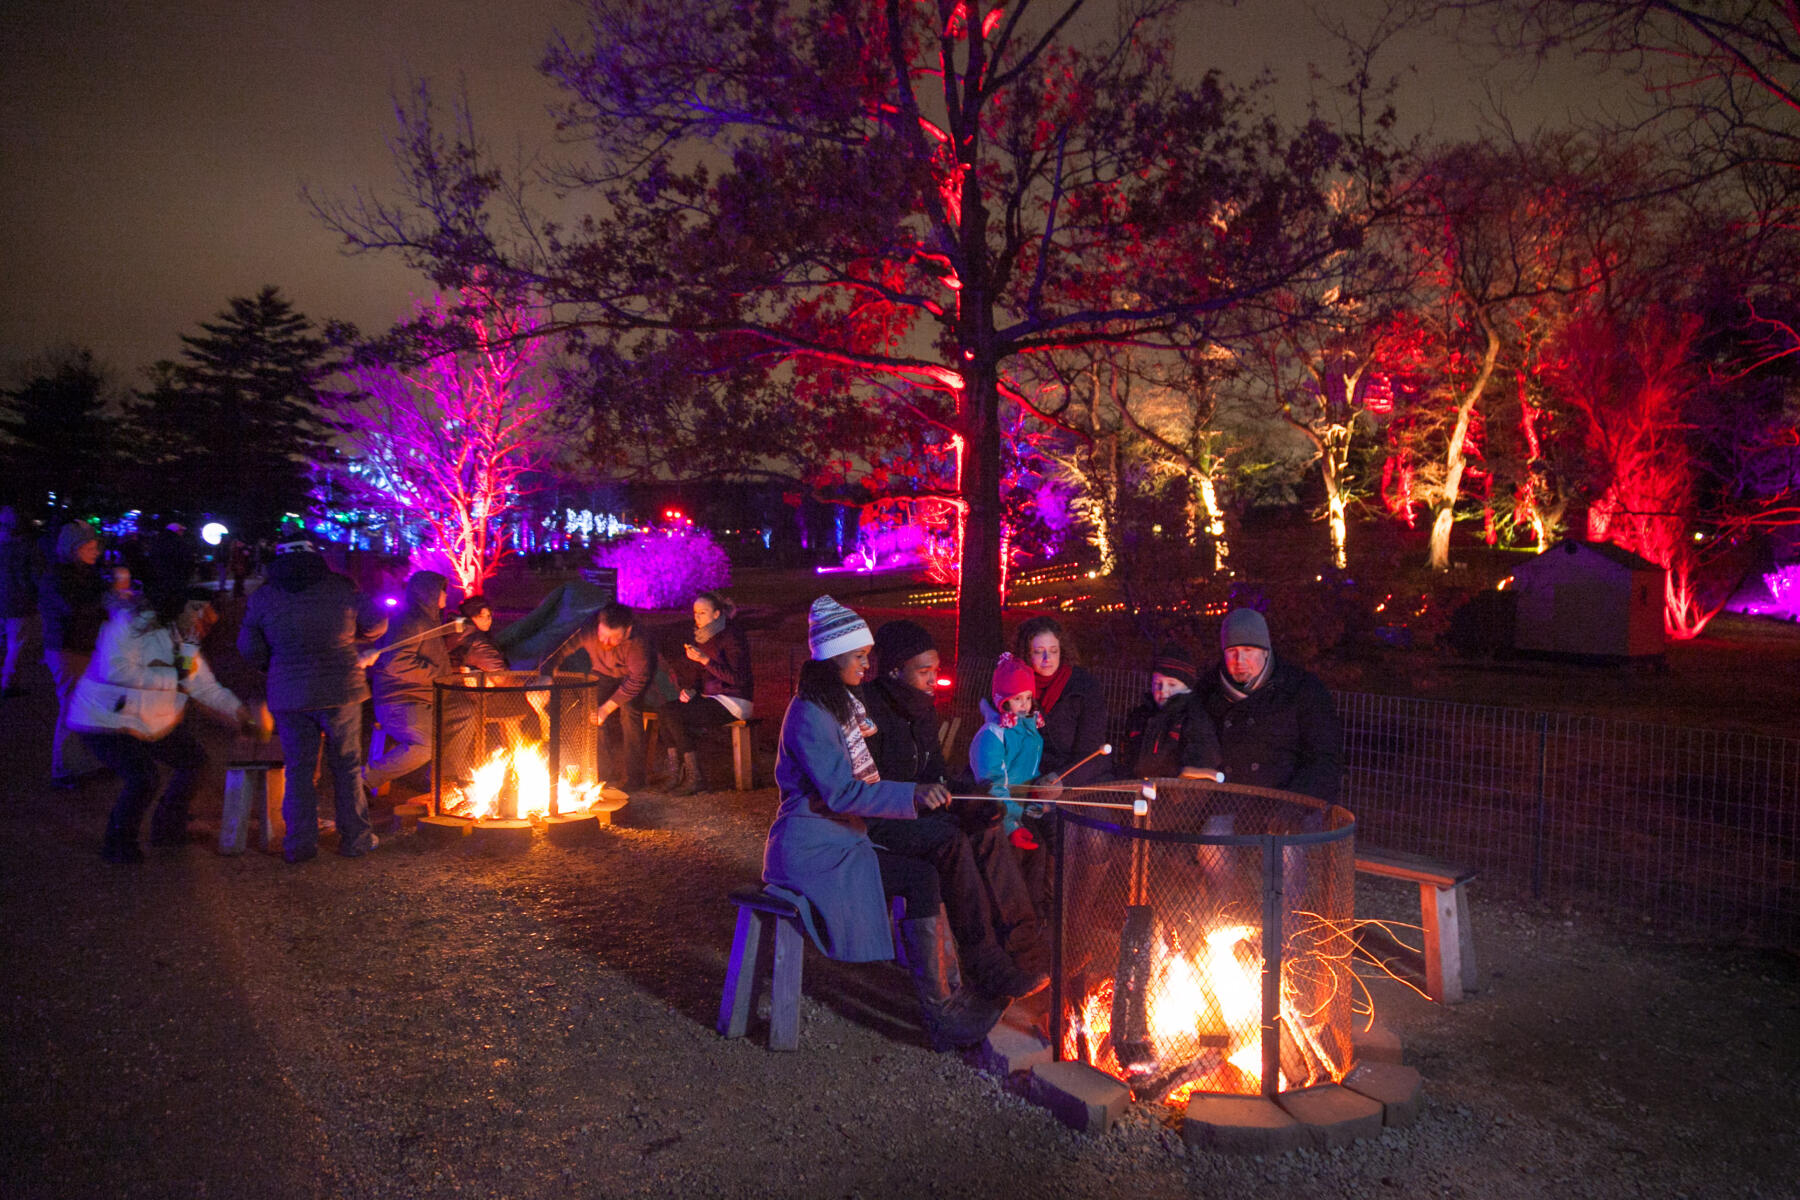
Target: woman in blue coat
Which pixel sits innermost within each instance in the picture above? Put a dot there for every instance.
(819, 844)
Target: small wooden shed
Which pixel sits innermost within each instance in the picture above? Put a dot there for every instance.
(1589, 599)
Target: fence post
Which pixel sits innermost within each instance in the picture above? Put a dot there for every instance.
(1538, 832)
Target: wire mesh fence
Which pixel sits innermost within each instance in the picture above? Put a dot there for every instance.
(1693, 830)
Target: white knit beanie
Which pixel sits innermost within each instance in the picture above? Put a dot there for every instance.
(833, 629)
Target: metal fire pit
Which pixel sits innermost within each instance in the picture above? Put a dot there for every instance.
(512, 748)
(1205, 948)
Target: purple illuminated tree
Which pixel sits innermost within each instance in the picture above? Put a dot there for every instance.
(920, 191)
(446, 439)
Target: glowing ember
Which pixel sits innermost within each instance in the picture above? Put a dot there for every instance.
(521, 771)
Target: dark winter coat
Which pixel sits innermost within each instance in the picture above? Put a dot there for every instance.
(905, 743)
(478, 651)
(1285, 734)
(726, 671)
(305, 626)
(1160, 742)
(72, 599)
(1075, 728)
(18, 592)
(406, 675)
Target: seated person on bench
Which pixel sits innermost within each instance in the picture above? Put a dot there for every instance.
(819, 846)
(715, 680)
(1276, 723)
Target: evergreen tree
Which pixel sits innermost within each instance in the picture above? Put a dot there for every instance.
(246, 391)
(58, 442)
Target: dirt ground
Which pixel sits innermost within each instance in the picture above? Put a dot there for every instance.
(431, 1024)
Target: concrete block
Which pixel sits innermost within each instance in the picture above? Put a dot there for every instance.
(1377, 1043)
(1013, 1045)
(1397, 1089)
(1333, 1116)
(1078, 1095)
(1241, 1125)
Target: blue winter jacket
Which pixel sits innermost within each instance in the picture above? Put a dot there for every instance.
(819, 845)
(1003, 759)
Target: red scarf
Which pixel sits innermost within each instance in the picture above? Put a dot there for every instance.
(1050, 690)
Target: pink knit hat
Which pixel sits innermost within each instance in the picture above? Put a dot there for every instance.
(1010, 678)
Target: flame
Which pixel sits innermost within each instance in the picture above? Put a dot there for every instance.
(527, 768)
(1204, 1008)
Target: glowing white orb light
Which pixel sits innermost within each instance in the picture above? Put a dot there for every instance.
(212, 533)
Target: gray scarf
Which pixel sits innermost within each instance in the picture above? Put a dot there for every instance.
(1240, 693)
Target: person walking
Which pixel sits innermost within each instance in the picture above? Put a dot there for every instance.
(128, 707)
(18, 598)
(72, 602)
(819, 846)
(314, 633)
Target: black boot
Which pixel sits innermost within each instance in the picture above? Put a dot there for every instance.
(954, 1017)
(121, 845)
(670, 776)
(690, 780)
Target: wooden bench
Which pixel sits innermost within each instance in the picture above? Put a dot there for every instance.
(1449, 967)
(254, 785)
(758, 913)
(743, 751)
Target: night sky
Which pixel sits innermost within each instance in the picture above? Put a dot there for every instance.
(154, 152)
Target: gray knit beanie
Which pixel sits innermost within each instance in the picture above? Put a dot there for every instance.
(1244, 627)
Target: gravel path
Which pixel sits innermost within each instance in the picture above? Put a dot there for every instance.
(428, 1023)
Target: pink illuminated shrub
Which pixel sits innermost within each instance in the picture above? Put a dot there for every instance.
(664, 569)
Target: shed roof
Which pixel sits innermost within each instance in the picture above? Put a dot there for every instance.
(1610, 552)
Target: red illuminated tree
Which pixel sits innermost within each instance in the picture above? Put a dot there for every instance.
(1510, 237)
(445, 438)
(915, 190)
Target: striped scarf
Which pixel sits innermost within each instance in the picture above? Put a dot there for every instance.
(856, 733)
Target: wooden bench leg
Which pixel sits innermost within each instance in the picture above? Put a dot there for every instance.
(1465, 943)
(743, 758)
(1445, 926)
(740, 976)
(784, 1010)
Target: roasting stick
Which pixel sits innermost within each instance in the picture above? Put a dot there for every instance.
(1216, 777)
(1106, 749)
(455, 623)
(1139, 807)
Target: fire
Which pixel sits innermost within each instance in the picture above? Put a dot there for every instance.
(526, 768)
(1204, 1021)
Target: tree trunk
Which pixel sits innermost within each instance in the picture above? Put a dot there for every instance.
(1455, 460)
(978, 631)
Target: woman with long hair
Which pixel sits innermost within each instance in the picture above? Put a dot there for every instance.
(819, 844)
(716, 684)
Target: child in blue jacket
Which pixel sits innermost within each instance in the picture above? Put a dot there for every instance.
(1007, 748)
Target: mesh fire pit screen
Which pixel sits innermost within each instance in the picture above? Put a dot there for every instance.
(511, 746)
(1205, 947)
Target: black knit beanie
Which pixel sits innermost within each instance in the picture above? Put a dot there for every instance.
(898, 643)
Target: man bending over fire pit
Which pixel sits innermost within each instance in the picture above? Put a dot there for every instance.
(633, 678)
(819, 844)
